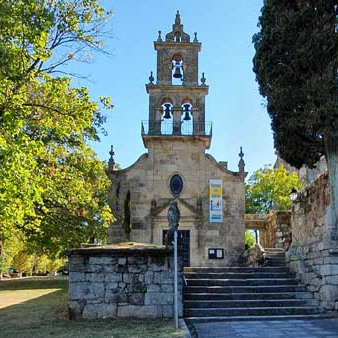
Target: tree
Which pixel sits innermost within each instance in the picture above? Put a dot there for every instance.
(269, 189)
(250, 239)
(296, 65)
(53, 188)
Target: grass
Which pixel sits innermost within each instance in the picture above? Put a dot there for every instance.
(37, 307)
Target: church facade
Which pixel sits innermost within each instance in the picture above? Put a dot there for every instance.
(176, 167)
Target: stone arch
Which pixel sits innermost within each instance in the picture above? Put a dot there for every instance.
(187, 99)
(178, 68)
(165, 99)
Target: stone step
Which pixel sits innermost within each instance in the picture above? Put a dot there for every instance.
(241, 282)
(245, 303)
(244, 296)
(240, 269)
(251, 311)
(236, 275)
(274, 249)
(275, 263)
(255, 318)
(245, 289)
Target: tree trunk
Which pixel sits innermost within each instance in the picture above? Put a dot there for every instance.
(331, 145)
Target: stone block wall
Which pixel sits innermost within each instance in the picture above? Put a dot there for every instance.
(148, 182)
(311, 257)
(255, 256)
(274, 228)
(113, 281)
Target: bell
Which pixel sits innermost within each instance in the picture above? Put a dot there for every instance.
(186, 110)
(177, 72)
(186, 116)
(167, 111)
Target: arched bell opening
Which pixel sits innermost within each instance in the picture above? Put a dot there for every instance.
(187, 119)
(177, 70)
(167, 119)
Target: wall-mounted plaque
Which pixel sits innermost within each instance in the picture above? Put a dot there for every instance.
(215, 201)
(216, 253)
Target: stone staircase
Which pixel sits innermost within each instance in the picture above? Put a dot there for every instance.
(245, 293)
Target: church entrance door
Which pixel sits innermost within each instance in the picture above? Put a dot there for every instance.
(183, 239)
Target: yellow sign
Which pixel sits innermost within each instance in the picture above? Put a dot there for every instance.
(215, 201)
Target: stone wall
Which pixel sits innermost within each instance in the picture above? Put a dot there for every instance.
(255, 256)
(122, 281)
(148, 182)
(274, 228)
(311, 256)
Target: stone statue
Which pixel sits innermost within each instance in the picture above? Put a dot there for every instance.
(173, 219)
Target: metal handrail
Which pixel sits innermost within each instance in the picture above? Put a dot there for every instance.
(305, 263)
(184, 128)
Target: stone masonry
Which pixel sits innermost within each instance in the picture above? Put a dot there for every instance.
(130, 280)
(140, 194)
(312, 256)
(274, 228)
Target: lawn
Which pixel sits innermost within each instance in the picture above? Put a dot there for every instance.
(37, 307)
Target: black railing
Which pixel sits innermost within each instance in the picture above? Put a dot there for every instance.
(305, 263)
(185, 128)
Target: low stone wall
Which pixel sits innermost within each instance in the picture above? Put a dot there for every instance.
(255, 256)
(318, 270)
(311, 257)
(117, 281)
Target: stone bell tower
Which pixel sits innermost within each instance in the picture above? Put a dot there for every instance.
(176, 167)
(177, 101)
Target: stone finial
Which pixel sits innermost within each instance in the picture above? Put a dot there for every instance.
(203, 79)
(159, 39)
(195, 38)
(178, 18)
(241, 163)
(177, 34)
(111, 162)
(151, 78)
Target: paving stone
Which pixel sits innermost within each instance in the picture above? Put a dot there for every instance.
(272, 329)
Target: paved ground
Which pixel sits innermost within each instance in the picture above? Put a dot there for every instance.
(269, 329)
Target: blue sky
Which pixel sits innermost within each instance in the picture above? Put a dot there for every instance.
(225, 29)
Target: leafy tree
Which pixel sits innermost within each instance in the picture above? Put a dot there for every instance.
(296, 65)
(250, 239)
(269, 189)
(52, 185)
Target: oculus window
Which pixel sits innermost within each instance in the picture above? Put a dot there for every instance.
(176, 185)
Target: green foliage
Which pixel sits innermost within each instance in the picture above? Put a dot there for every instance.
(10, 249)
(250, 239)
(18, 254)
(296, 65)
(127, 215)
(52, 185)
(269, 189)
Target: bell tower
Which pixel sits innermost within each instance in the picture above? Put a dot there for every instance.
(177, 168)
(177, 100)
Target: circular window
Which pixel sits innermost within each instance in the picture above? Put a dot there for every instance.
(176, 185)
